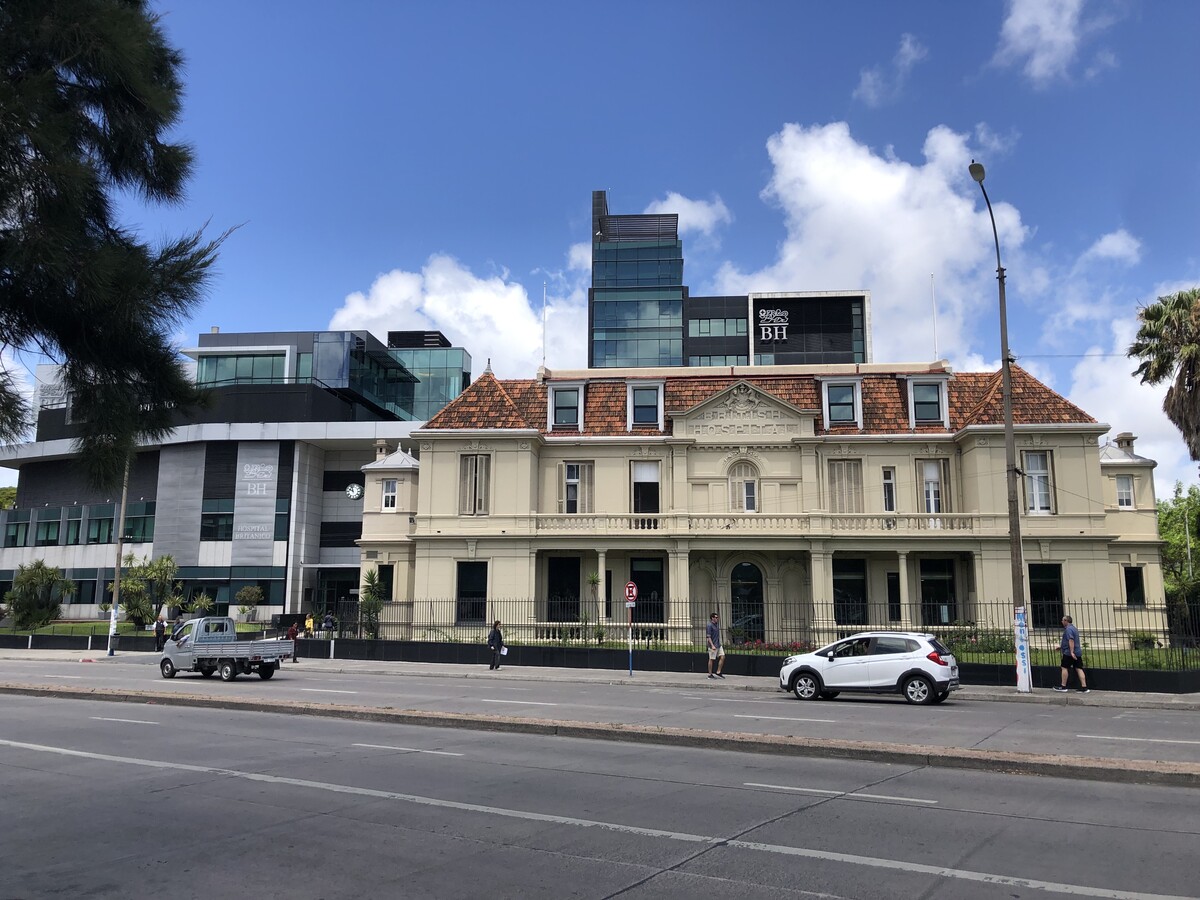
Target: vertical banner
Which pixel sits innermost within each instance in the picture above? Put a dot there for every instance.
(1021, 635)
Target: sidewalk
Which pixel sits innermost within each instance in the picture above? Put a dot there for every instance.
(1110, 699)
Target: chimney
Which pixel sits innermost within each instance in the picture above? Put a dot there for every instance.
(1125, 441)
(381, 449)
(216, 329)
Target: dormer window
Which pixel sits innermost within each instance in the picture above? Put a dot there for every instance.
(644, 405)
(842, 402)
(927, 404)
(566, 407)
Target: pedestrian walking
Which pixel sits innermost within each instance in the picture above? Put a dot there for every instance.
(495, 640)
(716, 653)
(292, 633)
(1072, 656)
(160, 634)
(308, 625)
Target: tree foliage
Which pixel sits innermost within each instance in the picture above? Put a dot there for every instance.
(88, 91)
(35, 595)
(1168, 345)
(371, 602)
(1179, 529)
(147, 585)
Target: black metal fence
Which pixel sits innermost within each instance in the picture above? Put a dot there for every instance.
(1115, 637)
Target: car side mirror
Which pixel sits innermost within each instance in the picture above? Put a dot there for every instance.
(829, 655)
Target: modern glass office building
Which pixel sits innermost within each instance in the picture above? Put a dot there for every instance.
(442, 371)
(635, 303)
(640, 313)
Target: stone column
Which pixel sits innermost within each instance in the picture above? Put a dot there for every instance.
(823, 620)
(601, 561)
(907, 612)
(678, 591)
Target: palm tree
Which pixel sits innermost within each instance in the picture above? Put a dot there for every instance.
(1168, 344)
(36, 591)
(89, 90)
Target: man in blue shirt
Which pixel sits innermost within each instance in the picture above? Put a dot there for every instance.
(1072, 656)
(715, 651)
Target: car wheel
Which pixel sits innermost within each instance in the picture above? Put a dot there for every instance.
(266, 670)
(806, 686)
(941, 697)
(829, 695)
(167, 668)
(228, 670)
(918, 689)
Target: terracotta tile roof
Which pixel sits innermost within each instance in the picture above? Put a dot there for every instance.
(974, 399)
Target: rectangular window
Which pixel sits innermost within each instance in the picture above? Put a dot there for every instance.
(931, 474)
(389, 493)
(216, 520)
(281, 520)
(645, 489)
(1125, 491)
(566, 408)
(73, 529)
(845, 486)
(850, 591)
(889, 489)
(645, 406)
(927, 402)
(1135, 587)
(474, 485)
(47, 534)
(841, 403)
(576, 487)
(16, 534)
(893, 596)
(1045, 594)
(939, 605)
(100, 531)
(139, 522)
(470, 605)
(1038, 497)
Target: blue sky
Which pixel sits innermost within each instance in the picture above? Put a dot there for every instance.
(430, 165)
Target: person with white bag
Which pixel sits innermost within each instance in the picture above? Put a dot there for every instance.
(496, 642)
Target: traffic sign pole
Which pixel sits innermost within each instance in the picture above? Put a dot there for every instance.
(630, 600)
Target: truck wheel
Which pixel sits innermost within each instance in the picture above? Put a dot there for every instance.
(228, 670)
(208, 671)
(266, 670)
(167, 668)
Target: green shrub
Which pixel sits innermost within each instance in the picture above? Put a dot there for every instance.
(1142, 640)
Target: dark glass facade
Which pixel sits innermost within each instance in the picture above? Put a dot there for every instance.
(640, 313)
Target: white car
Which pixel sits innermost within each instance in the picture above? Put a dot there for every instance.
(917, 666)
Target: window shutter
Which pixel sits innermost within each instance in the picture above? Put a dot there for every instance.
(483, 484)
(466, 481)
(562, 487)
(586, 487)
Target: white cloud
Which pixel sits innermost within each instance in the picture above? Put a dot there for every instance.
(1117, 246)
(1103, 385)
(874, 85)
(1046, 37)
(493, 317)
(695, 216)
(856, 219)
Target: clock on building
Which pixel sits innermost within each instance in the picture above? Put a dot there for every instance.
(354, 491)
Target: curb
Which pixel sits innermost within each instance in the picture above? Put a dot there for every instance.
(1156, 772)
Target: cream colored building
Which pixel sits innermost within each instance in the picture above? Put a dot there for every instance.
(798, 502)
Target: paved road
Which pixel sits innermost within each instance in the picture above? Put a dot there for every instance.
(1085, 726)
(137, 801)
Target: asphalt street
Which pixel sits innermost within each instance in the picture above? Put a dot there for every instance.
(749, 706)
(130, 800)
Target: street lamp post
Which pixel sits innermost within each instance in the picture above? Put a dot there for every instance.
(1010, 453)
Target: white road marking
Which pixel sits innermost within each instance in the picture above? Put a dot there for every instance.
(873, 862)
(406, 749)
(326, 691)
(62, 676)
(518, 702)
(1108, 737)
(846, 795)
(787, 719)
(129, 721)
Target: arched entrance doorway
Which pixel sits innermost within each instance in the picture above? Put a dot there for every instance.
(746, 620)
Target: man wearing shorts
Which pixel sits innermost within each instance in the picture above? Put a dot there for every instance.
(715, 651)
(1072, 657)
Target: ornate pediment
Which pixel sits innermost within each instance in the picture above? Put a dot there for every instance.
(743, 414)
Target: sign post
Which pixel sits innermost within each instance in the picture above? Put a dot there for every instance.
(630, 602)
(1021, 634)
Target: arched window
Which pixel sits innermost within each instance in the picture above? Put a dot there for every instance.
(743, 488)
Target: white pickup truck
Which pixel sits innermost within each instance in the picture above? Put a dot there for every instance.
(210, 645)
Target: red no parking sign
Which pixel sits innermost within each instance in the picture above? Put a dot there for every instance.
(630, 595)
